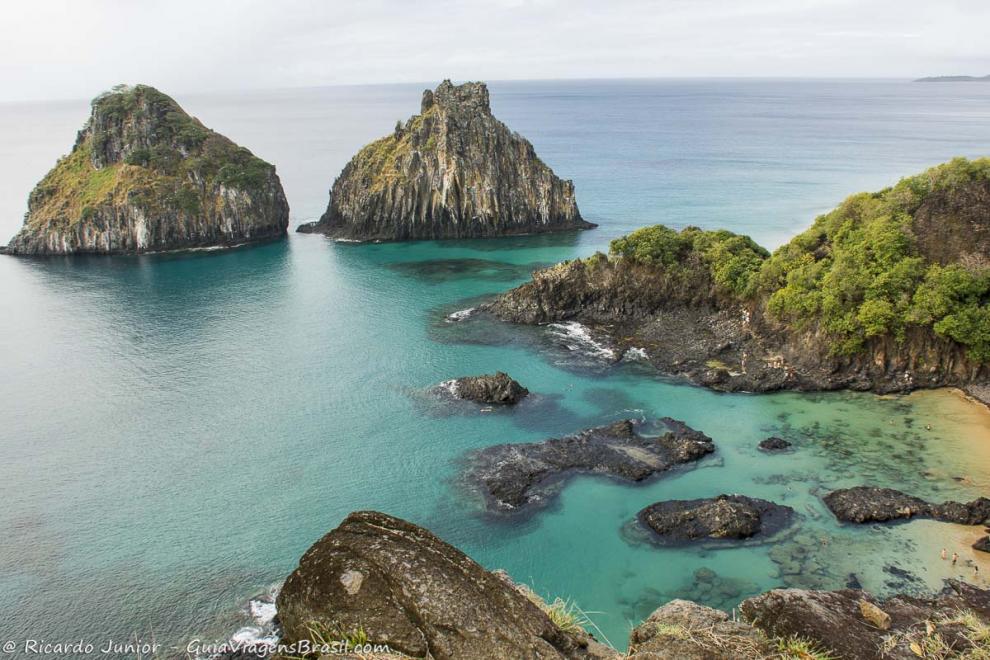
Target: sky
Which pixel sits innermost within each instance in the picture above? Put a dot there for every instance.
(67, 49)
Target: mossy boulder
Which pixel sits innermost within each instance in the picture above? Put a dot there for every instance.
(144, 176)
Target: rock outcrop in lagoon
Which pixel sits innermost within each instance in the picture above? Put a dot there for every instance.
(864, 504)
(514, 476)
(452, 171)
(889, 292)
(496, 389)
(144, 176)
(387, 581)
(722, 518)
(773, 444)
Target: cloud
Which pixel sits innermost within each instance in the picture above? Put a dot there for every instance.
(71, 49)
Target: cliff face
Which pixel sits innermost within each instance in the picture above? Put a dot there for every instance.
(889, 292)
(452, 171)
(144, 176)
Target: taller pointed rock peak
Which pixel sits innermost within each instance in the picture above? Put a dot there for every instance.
(145, 176)
(471, 97)
(452, 171)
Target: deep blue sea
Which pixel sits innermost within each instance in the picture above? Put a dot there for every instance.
(178, 429)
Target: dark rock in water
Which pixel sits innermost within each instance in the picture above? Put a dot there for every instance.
(864, 504)
(682, 630)
(844, 623)
(774, 444)
(516, 475)
(452, 171)
(497, 388)
(852, 582)
(983, 544)
(404, 587)
(726, 517)
(144, 176)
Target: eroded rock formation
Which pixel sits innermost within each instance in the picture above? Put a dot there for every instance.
(726, 517)
(514, 476)
(144, 176)
(452, 171)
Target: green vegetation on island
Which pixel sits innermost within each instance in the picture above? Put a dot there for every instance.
(860, 271)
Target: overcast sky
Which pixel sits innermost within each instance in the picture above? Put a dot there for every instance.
(75, 48)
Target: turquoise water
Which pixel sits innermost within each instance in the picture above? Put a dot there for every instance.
(178, 429)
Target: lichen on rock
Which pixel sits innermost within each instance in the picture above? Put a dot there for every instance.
(144, 176)
(452, 171)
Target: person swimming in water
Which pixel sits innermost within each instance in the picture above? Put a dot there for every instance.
(943, 554)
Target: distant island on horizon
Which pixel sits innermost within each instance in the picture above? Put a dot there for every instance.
(955, 79)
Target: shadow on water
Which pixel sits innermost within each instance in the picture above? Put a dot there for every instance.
(447, 270)
(182, 293)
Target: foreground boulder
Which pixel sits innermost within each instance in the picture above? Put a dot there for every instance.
(864, 504)
(452, 171)
(144, 176)
(683, 630)
(726, 517)
(497, 389)
(513, 476)
(853, 624)
(404, 587)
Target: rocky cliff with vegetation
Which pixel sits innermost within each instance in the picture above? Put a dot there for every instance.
(888, 292)
(144, 176)
(378, 582)
(452, 171)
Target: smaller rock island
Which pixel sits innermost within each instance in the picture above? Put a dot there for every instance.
(452, 171)
(144, 176)
(497, 389)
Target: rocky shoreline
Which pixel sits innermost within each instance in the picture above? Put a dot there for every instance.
(720, 311)
(377, 582)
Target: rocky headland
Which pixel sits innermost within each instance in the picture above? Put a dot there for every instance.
(144, 176)
(494, 389)
(890, 292)
(511, 477)
(722, 518)
(452, 171)
(379, 580)
(864, 504)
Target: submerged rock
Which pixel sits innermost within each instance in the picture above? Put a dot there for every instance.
(726, 517)
(773, 444)
(144, 176)
(452, 171)
(404, 587)
(497, 388)
(864, 504)
(516, 475)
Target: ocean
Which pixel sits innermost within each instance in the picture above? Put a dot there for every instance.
(177, 429)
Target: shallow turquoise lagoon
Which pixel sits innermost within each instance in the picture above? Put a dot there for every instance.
(178, 429)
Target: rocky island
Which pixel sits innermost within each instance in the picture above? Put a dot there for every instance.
(864, 504)
(379, 580)
(889, 292)
(452, 171)
(144, 176)
(724, 518)
(514, 476)
(495, 389)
